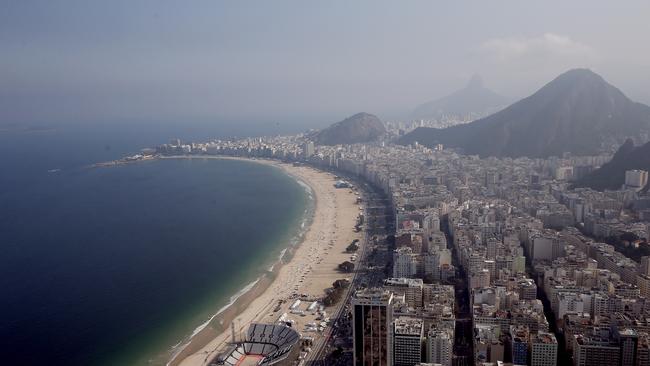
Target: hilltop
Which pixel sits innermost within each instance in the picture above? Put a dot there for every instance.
(473, 100)
(362, 127)
(578, 112)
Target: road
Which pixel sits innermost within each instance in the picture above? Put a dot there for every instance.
(464, 340)
(369, 271)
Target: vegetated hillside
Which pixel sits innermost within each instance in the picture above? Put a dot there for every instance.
(612, 174)
(362, 127)
(578, 112)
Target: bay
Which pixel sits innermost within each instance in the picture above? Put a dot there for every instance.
(113, 265)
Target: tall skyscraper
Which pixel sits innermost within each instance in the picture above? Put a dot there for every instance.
(371, 331)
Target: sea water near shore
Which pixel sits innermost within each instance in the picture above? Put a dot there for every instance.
(117, 265)
(228, 313)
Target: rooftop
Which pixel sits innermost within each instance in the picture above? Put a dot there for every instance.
(374, 296)
(408, 326)
(543, 337)
(410, 282)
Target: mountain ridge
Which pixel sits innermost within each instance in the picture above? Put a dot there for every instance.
(578, 112)
(473, 99)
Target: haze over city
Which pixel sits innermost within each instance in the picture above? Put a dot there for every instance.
(297, 61)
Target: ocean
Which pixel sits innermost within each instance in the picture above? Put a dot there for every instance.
(112, 266)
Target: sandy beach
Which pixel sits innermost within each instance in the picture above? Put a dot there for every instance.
(310, 269)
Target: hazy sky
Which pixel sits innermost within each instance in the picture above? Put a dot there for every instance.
(299, 60)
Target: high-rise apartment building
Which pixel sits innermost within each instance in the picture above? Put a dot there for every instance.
(644, 267)
(643, 281)
(543, 349)
(636, 178)
(440, 343)
(595, 349)
(492, 244)
(628, 339)
(371, 331)
(431, 265)
(308, 149)
(407, 341)
(404, 263)
(519, 340)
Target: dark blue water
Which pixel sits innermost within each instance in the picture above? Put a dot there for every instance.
(106, 264)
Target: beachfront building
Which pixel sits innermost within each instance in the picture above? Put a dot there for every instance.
(371, 327)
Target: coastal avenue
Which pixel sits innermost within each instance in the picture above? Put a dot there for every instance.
(369, 272)
(295, 292)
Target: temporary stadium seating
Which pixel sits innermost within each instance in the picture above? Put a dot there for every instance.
(271, 341)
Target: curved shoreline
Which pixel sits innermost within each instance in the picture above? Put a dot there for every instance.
(219, 322)
(310, 270)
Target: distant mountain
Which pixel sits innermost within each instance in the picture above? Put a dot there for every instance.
(578, 112)
(362, 127)
(612, 174)
(473, 100)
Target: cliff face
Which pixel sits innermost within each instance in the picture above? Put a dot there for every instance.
(578, 112)
(362, 127)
